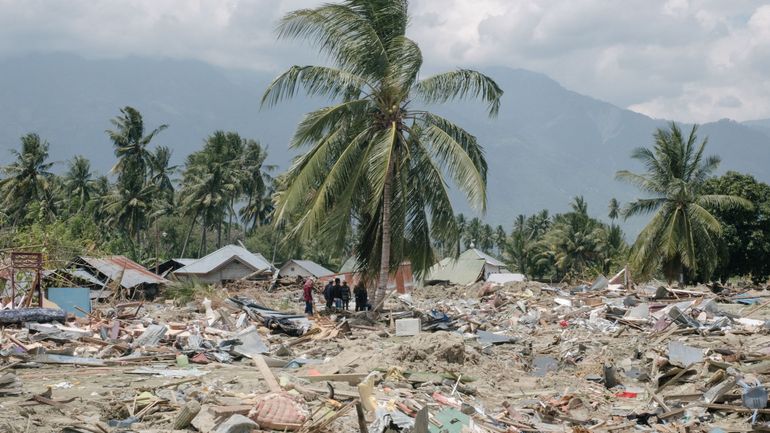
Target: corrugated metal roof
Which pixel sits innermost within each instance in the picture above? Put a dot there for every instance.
(462, 271)
(350, 266)
(223, 256)
(134, 274)
(185, 262)
(314, 268)
(475, 253)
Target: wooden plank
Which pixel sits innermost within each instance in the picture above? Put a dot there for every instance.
(224, 411)
(267, 374)
(353, 378)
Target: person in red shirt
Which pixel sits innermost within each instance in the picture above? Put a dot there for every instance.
(307, 295)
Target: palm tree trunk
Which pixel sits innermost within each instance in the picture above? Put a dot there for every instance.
(382, 286)
(230, 221)
(189, 232)
(219, 234)
(202, 249)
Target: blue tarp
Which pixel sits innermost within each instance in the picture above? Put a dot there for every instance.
(67, 298)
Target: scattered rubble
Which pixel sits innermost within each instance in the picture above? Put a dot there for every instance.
(511, 357)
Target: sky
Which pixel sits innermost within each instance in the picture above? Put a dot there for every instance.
(687, 60)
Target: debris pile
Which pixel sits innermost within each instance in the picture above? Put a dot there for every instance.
(512, 357)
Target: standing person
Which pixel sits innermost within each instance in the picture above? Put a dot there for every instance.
(337, 294)
(345, 296)
(307, 295)
(361, 296)
(328, 295)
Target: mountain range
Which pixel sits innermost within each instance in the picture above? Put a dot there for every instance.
(547, 145)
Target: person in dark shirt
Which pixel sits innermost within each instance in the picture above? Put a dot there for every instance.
(361, 296)
(345, 295)
(337, 294)
(329, 295)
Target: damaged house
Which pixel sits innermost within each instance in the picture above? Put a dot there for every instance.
(471, 266)
(228, 263)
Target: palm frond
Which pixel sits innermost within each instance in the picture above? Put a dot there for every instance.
(460, 153)
(459, 84)
(315, 80)
(724, 202)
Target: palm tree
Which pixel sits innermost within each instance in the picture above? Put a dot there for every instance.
(212, 183)
(131, 146)
(79, 183)
(682, 233)
(129, 209)
(576, 241)
(161, 172)
(28, 179)
(99, 197)
(473, 233)
(613, 210)
(376, 153)
(519, 246)
(501, 239)
(487, 238)
(256, 185)
(462, 226)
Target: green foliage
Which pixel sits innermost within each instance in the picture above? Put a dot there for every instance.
(567, 246)
(28, 181)
(139, 214)
(185, 291)
(59, 240)
(744, 244)
(681, 234)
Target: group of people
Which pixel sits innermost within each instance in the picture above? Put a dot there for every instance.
(337, 296)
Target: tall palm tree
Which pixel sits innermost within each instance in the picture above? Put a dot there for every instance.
(256, 185)
(613, 210)
(129, 209)
(473, 233)
(519, 246)
(377, 152)
(487, 238)
(681, 234)
(99, 198)
(161, 171)
(501, 239)
(131, 146)
(79, 183)
(212, 183)
(28, 179)
(576, 241)
(462, 224)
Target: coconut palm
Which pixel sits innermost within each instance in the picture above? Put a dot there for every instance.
(211, 183)
(462, 224)
(128, 209)
(576, 240)
(79, 183)
(376, 153)
(681, 234)
(131, 146)
(28, 179)
(161, 171)
(256, 185)
(613, 209)
(501, 239)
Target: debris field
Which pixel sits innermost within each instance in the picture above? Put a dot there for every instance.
(516, 357)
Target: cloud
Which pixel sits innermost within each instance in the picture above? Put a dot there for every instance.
(691, 60)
